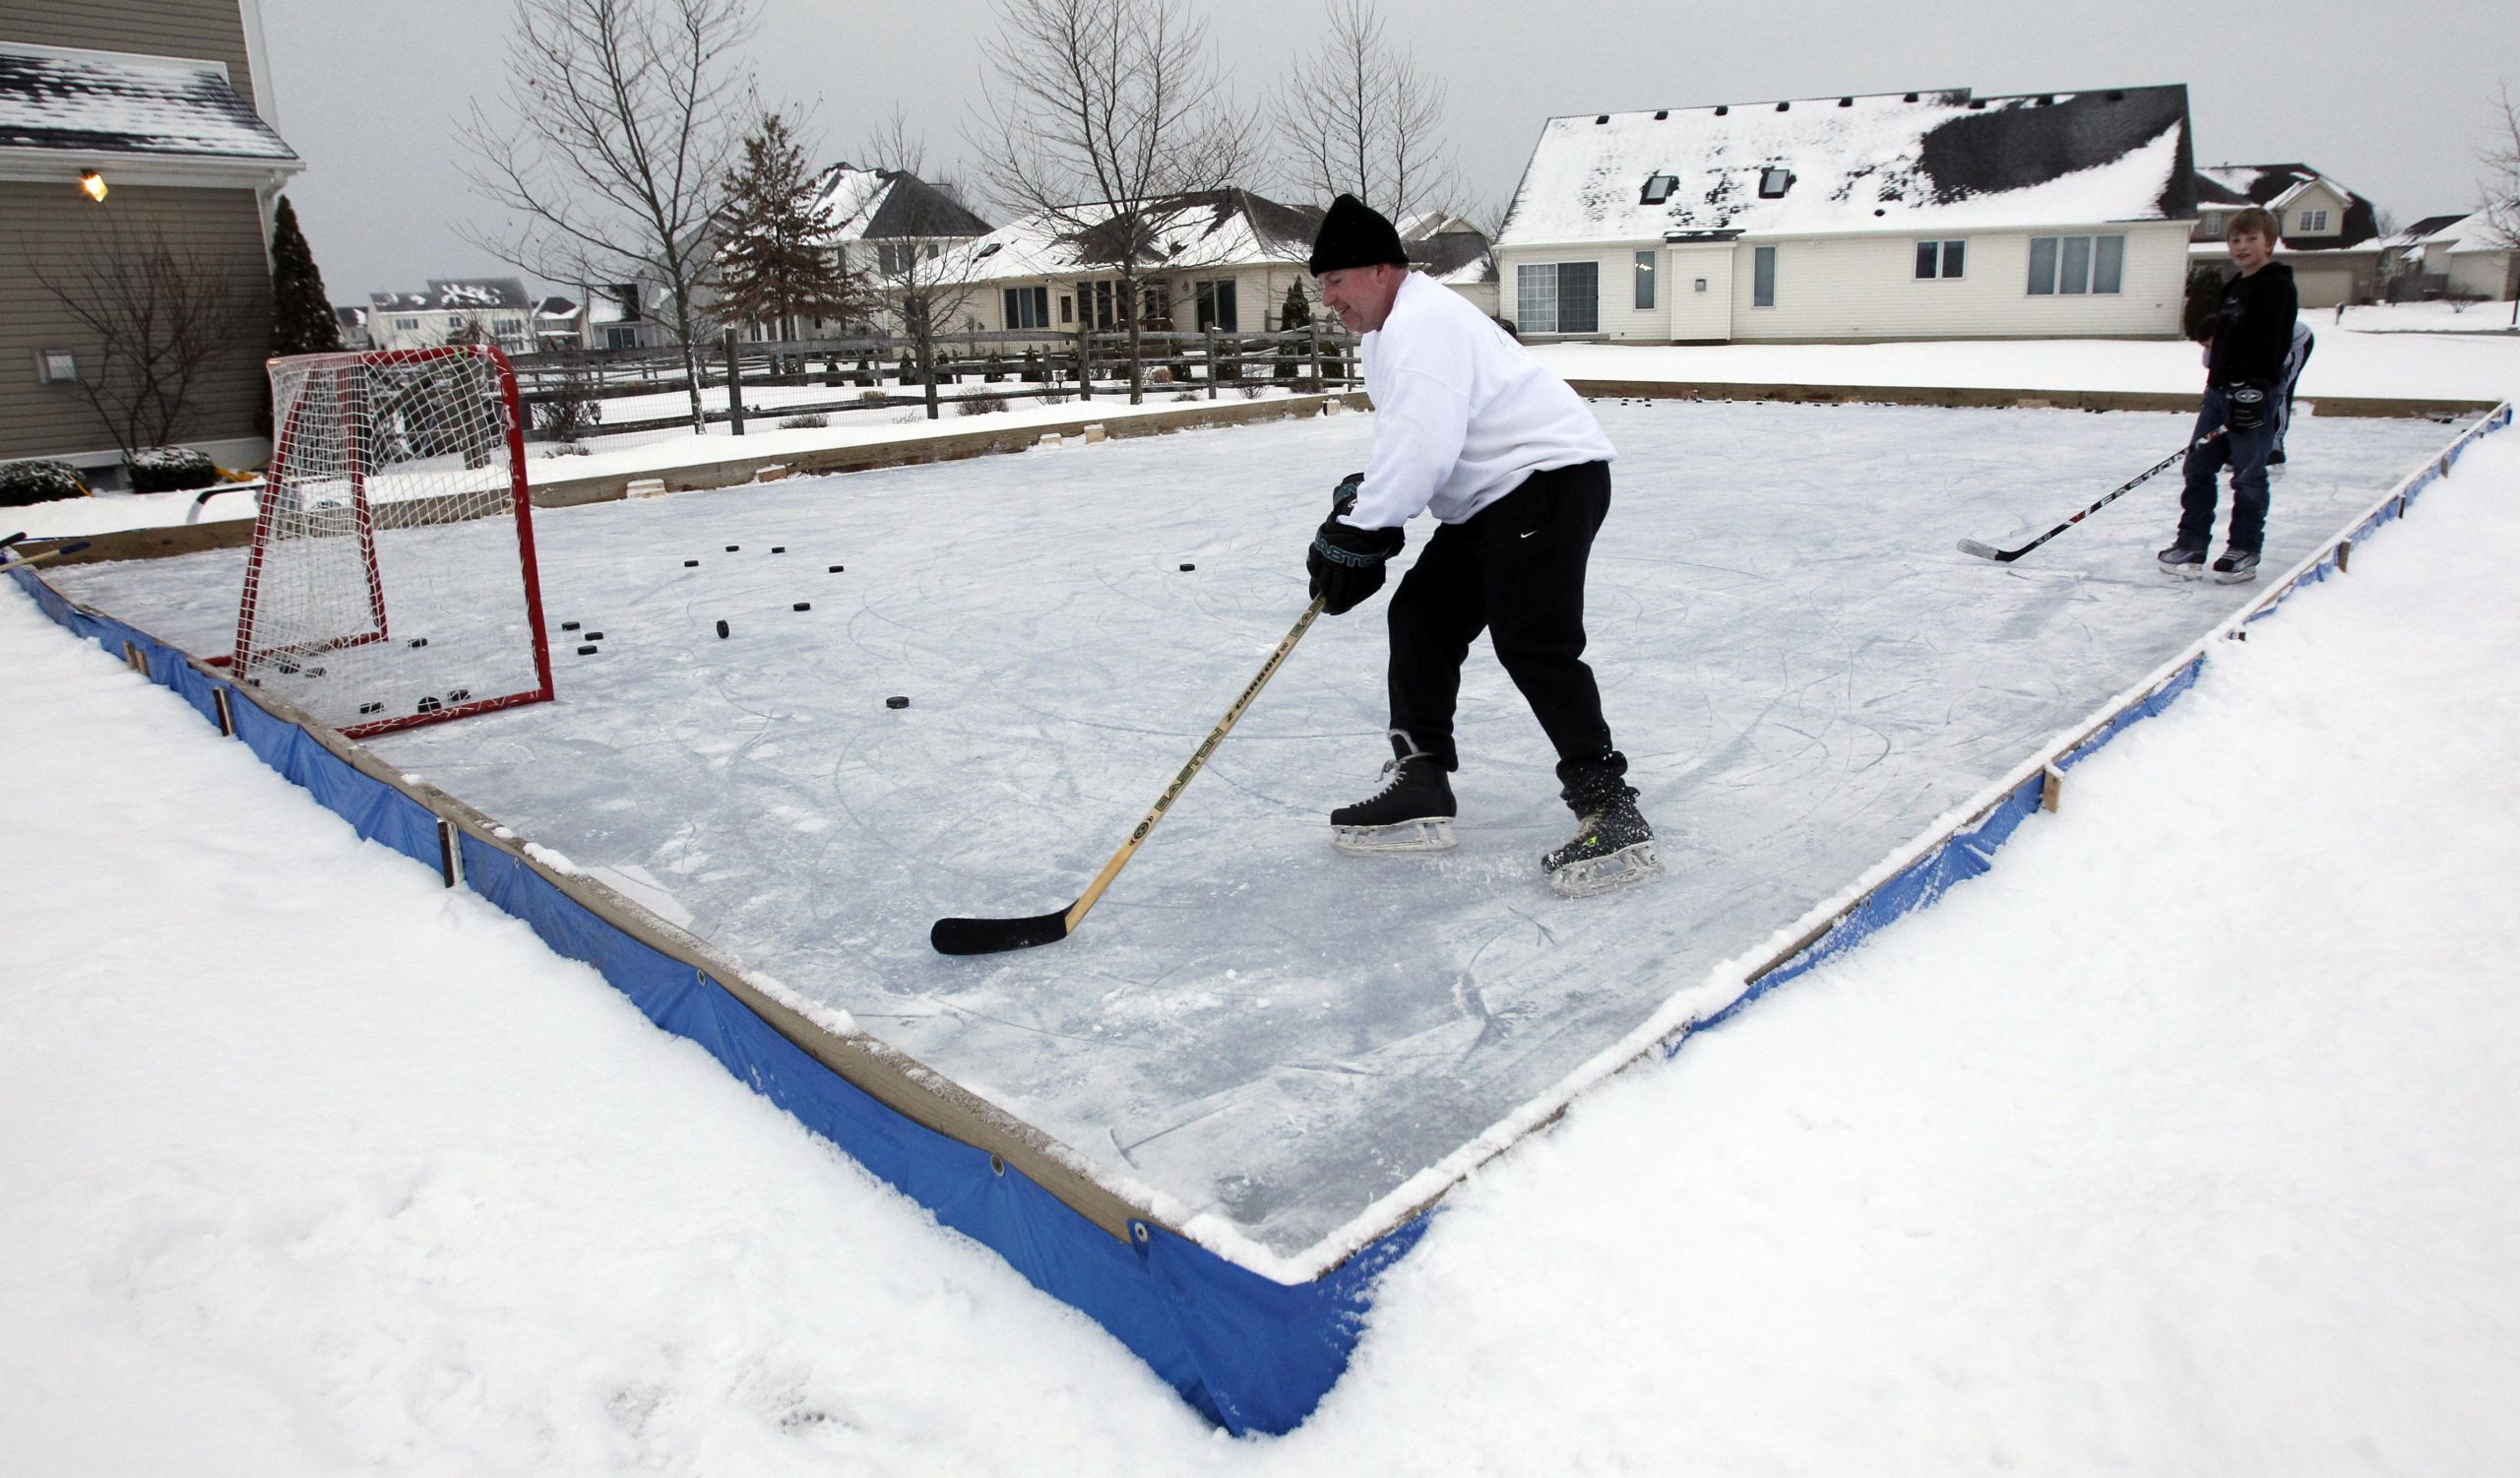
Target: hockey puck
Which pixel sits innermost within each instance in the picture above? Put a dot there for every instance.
(457, 694)
(730, 548)
(802, 605)
(779, 548)
(836, 568)
(689, 563)
(371, 708)
(595, 637)
(427, 705)
(568, 626)
(1185, 569)
(420, 641)
(586, 651)
(722, 629)
(897, 701)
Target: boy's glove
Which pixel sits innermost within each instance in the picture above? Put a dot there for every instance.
(2248, 408)
(1345, 562)
(1343, 496)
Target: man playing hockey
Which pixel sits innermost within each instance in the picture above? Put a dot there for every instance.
(1471, 428)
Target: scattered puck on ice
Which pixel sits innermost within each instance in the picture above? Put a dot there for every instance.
(802, 605)
(595, 637)
(420, 641)
(730, 548)
(568, 626)
(586, 651)
(897, 701)
(722, 629)
(836, 568)
(371, 708)
(1185, 569)
(688, 563)
(779, 548)
(428, 705)
(457, 695)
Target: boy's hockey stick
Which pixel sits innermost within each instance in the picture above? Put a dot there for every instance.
(46, 557)
(2007, 557)
(991, 936)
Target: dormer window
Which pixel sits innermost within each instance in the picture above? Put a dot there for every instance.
(1773, 183)
(1658, 188)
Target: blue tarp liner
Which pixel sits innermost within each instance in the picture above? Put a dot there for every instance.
(1251, 1354)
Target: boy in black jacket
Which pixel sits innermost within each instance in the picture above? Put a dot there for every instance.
(2249, 340)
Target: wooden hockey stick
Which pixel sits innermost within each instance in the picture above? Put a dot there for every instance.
(46, 557)
(2007, 557)
(994, 935)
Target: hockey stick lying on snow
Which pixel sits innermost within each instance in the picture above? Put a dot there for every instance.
(2007, 557)
(991, 936)
(45, 557)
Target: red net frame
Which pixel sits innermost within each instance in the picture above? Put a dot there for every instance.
(391, 580)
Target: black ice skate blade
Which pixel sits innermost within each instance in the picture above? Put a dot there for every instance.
(997, 935)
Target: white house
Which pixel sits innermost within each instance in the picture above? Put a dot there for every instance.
(495, 309)
(2453, 256)
(1929, 215)
(2330, 236)
(874, 222)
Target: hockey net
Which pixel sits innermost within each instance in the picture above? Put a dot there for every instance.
(392, 578)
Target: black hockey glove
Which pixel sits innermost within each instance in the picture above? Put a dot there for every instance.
(1343, 496)
(1345, 562)
(2248, 408)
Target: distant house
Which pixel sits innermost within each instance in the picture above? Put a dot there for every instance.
(2330, 234)
(2449, 256)
(165, 105)
(627, 315)
(1932, 215)
(873, 221)
(559, 323)
(351, 324)
(495, 310)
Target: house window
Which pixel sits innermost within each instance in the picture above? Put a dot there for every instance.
(455, 320)
(1557, 297)
(1940, 259)
(2311, 223)
(617, 336)
(2071, 265)
(1645, 279)
(1763, 276)
(1658, 188)
(1067, 309)
(893, 258)
(407, 324)
(1155, 305)
(1028, 307)
(1773, 183)
(1217, 305)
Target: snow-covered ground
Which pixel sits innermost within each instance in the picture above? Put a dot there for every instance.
(2181, 1142)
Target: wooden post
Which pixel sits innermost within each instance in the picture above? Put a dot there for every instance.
(1212, 361)
(1083, 356)
(734, 383)
(1314, 329)
(2052, 789)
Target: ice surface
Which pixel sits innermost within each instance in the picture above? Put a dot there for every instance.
(1270, 1035)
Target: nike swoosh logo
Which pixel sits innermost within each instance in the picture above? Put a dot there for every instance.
(1527, 532)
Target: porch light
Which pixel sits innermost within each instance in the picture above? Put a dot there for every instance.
(92, 185)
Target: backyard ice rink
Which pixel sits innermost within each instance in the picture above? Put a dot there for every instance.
(1284, 1048)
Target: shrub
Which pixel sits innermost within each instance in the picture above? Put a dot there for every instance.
(978, 405)
(1188, 395)
(25, 483)
(572, 410)
(2204, 299)
(567, 449)
(1253, 390)
(804, 422)
(170, 468)
(1055, 396)
(1161, 374)
(873, 397)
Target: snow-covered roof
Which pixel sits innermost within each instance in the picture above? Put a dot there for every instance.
(1212, 229)
(350, 317)
(2276, 186)
(112, 103)
(2473, 231)
(1892, 161)
(455, 295)
(555, 307)
(863, 204)
(1455, 258)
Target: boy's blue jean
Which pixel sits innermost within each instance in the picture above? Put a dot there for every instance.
(2246, 454)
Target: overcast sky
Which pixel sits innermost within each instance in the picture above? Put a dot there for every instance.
(2391, 101)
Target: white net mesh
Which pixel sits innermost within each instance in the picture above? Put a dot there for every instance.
(391, 581)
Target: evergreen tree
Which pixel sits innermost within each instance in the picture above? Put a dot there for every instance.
(1297, 312)
(303, 321)
(778, 266)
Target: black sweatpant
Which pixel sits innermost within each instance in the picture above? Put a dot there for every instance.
(1515, 569)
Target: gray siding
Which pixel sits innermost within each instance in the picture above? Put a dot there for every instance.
(55, 227)
(203, 29)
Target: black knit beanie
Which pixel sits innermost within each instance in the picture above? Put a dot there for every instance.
(1352, 235)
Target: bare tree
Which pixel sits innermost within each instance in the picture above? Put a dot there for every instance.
(924, 273)
(2502, 187)
(1358, 118)
(157, 316)
(1101, 115)
(625, 118)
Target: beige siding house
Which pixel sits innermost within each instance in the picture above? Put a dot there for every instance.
(2330, 234)
(167, 103)
(1894, 215)
(2450, 256)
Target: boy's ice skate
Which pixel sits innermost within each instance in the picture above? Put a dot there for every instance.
(1612, 846)
(2234, 567)
(2183, 561)
(1412, 812)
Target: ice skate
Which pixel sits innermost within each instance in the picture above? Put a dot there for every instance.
(2183, 561)
(2235, 567)
(1411, 813)
(1612, 846)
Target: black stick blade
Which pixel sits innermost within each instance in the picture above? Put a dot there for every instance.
(997, 935)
